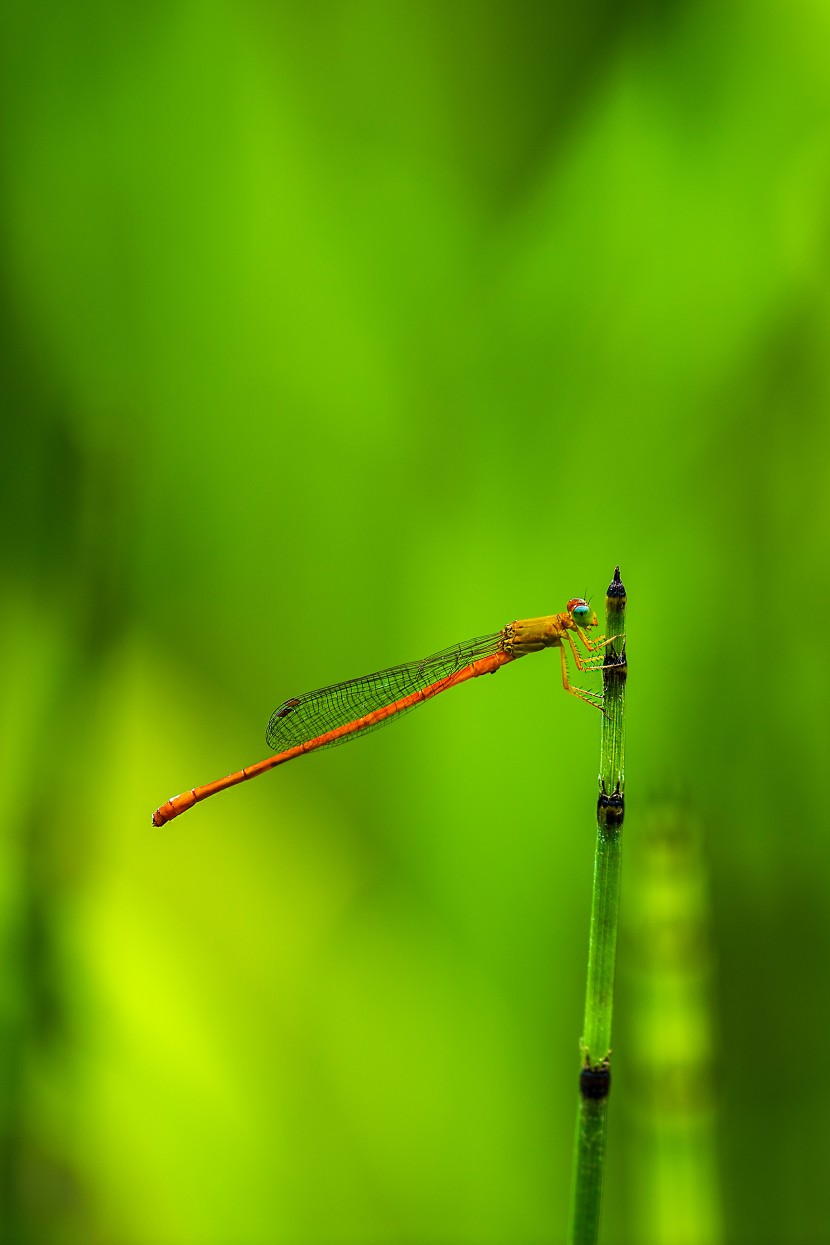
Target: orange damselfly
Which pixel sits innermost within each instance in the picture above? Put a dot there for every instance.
(344, 711)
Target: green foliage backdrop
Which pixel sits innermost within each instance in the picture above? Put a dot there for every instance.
(332, 334)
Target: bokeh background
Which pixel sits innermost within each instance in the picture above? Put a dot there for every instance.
(333, 334)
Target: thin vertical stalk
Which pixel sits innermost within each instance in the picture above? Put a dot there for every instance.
(595, 1074)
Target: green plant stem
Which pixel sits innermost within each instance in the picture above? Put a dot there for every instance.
(595, 1075)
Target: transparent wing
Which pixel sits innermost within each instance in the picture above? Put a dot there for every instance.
(302, 718)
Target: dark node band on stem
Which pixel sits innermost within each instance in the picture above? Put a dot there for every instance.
(610, 810)
(595, 1083)
(615, 669)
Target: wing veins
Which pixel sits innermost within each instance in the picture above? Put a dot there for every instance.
(306, 717)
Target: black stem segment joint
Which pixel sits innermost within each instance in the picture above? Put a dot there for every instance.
(615, 669)
(595, 1082)
(610, 809)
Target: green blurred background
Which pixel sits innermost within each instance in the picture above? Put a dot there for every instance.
(333, 334)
